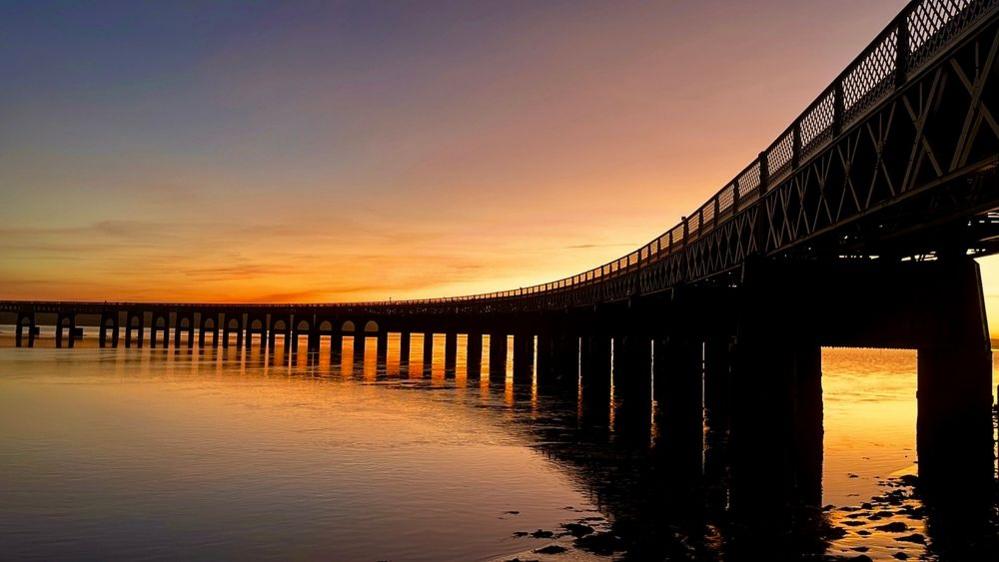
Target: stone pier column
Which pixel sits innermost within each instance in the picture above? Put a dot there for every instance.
(717, 413)
(497, 357)
(595, 380)
(405, 341)
(523, 358)
(679, 399)
(381, 353)
(776, 427)
(21, 326)
(450, 352)
(473, 355)
(428, 351)
(360, 343)
(336, 345)
(58, 332)
(632, 377)
(954, 425)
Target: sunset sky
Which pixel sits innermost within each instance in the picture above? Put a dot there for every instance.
(331, 151)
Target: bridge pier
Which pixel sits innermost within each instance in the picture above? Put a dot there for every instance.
(473, 355)
(450, 353)
(112, 319)
(497, 358)
(954, 385)
(595, 380)
(632, 379)
(428, 352)
(717, 414)
(252, 318)
(547, 361)
(776, 425)
(679, 399)
(139, 325)
(567, 360)
(68, 318)
(155, 327)
(228, 329)
(25, 321)
(381, 346)
(209, 325)
(336, 345)
(523, 358)
(360, 343)
(405, 341)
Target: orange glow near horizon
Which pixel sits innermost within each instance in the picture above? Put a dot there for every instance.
(288, 153)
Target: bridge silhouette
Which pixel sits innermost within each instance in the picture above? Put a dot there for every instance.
(857, 226)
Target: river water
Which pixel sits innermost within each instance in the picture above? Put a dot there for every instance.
(157, 454)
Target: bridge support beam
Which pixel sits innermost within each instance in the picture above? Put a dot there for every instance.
(428, 352)
(69, 319)
(336, 345)
(595, 380)
(497, 358)
(25, 322)
(717, 414)
(381, 353)
(155, 328)
(776, 431)
(954, 425)
(405, 341)
(523, 358)
(111, 318)
(360, 343)
(547, 363)
(450, 353)
(679, 400)
(473, 356)
(632, 378)
(139, 325)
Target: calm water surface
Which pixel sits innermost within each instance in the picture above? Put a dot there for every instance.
(220, 454)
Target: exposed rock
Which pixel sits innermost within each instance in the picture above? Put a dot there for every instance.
(542, 534)
(914, 537)
(577, 529)
(893, 527)
(551, 549)
(600, 543)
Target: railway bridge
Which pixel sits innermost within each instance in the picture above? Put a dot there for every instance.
(858, 226)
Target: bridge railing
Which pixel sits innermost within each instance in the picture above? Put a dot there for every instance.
(908, 43)
(911, 41)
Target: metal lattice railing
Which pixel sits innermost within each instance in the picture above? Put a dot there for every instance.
(922, 30)
(911, 40)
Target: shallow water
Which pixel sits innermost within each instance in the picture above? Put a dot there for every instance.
(147, 454)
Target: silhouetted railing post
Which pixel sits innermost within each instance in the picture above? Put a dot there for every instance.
(838, 109)
(901, 50)
(764, 173)
(735, 196)
(796, 145)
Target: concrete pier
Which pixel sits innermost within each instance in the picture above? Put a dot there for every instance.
(497, 357)
(473, 355)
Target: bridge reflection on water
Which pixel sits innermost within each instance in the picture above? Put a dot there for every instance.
(618, 449)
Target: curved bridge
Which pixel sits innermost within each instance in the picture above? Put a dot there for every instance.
(856, 226)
